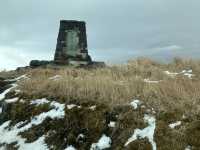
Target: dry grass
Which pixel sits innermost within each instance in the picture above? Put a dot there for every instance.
(115, 86)
(120, 84)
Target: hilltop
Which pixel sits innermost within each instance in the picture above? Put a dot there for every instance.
(141, 105)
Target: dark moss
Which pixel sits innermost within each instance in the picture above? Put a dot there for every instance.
(142, 144)
(66, 131)
(169, 116)
(11, 146)
(193, 133)
(10, 95)
(24, 111)
(128, 120)
(167, 138)
(4, 85)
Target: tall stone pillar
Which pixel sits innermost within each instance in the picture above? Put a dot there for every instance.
(72, 44)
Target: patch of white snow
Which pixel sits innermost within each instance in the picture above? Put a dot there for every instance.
(17, 91)
(187, 73)
(71, 106)
(172, 74)
(13, 100)
(173, 125)
(188, 148)
(103, 143)
(112, 124)
(93, 107)
(22, 101)
(147, 132)
(70, 148)
(135, 103)
(11, 135)
(2, 95)
(56, 77)
(80, 136)
(40, 101)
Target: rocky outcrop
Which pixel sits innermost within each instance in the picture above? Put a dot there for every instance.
(37, 63)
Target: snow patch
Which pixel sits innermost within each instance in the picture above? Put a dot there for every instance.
(135, 103)
(93, 108)
(13, 100)
(56, 77)
(80, 136)
(103, 143)
(22, 101)
(70, 148)
(57, 112)
(11, 135)
(71, 106)
(17, 91)
(40, 101)
(172, 74)
(188, 148)
(187, 73)
(173, 125)
(184, 116)
(112, 124)
(150, 81)
(2, 95)
(147, 132)
(36, 145)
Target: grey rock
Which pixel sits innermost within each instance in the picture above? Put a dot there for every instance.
(37, 63)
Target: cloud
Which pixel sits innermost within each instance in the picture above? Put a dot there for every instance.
(117, 30)
(12, 58)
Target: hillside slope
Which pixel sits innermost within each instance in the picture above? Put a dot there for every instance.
(142, 105)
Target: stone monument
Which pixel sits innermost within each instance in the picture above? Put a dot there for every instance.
(71, 45)
(71, 48)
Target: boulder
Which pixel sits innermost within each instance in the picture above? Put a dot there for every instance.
(38, 63)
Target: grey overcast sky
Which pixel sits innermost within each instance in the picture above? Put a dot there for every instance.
(117, 29)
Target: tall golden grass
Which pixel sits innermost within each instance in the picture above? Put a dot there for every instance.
(120, 84)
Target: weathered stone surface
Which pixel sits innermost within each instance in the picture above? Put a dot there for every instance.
(37, 63)
(71, 48)
(97, 64)
(72, 44)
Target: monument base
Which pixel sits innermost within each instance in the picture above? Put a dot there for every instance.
(73, 63)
